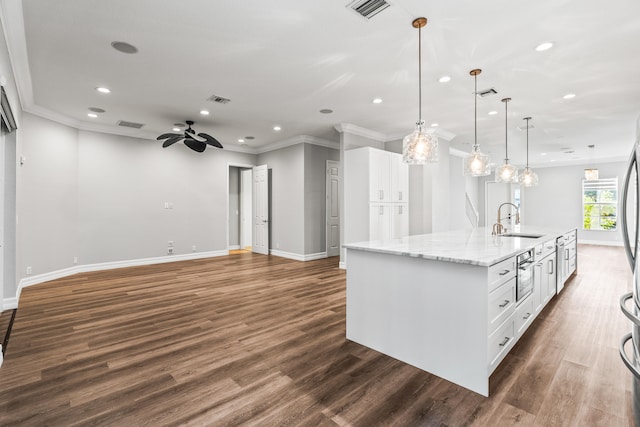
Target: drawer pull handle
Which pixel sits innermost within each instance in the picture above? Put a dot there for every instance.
(503, 343)
(526, 316)
(503, 272)
(504, 304)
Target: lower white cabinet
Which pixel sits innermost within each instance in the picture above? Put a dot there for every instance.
(525, 313)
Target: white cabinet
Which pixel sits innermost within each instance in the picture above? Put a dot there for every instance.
(544, 275)
(376, 195)
(567, 260)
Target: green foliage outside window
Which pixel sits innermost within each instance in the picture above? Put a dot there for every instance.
(600, 204)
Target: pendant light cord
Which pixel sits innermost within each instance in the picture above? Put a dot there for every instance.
(527, 119)
(506, 143)
(475, 112)
(419, 74)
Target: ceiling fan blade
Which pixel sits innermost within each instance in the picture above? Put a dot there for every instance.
(195, 145)
(168, 135)
(192, 135)
(171, 141)
(210, 140)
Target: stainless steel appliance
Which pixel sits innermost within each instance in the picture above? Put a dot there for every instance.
(524, 277)
(630, 201)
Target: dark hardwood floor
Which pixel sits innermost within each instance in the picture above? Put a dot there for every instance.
(258, 340)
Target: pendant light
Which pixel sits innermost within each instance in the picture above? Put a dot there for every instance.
(506, 172)
(528, 178)
(476, 163)
(420, 147)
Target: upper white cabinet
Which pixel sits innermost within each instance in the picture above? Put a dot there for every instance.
(376, 189)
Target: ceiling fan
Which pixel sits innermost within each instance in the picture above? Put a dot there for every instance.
(197, 142)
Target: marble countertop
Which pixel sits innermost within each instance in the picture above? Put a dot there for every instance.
(476, 247)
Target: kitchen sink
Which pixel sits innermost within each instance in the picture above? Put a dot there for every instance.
(523, 235)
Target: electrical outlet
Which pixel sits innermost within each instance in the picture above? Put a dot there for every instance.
(29, 270)
(170, 243)
(193, 248)
(169, 251)
(75, 259)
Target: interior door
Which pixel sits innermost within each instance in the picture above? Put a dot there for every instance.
(333, 208)
(260, 210)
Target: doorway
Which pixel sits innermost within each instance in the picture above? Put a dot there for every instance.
(333, 208)
(240, 230)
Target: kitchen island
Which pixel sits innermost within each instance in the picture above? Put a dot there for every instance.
(444, 302)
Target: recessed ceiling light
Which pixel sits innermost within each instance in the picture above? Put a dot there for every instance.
(277, 128)
(204, 112)
(103, 90)
(176, 129)
(493, 113)
(434, 125)
(569, 96)
(543, 154)
(92, 115)
(377, 101)
(124, 47)
(249, 137)
(552, 160)
(444, 79)
(326, 111)
(241, 140)
(96, 110)
(544, 46)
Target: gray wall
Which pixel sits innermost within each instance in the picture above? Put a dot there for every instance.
(287, 197)
(315, 201)
(9, 236)
(48, 187)
(557, 200)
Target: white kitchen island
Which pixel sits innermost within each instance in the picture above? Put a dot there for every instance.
(443, 302)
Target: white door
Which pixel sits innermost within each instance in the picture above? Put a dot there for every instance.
(261, 210)
(333, 208)
(246, 212)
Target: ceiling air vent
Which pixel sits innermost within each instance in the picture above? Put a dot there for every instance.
(218, 99)
(368, 8)
(126, 124)
(487, 92)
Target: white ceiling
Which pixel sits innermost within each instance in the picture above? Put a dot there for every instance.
(281, 62)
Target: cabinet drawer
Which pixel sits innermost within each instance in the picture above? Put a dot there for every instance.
(572, 235)
(524, 315)
(500, 342)
(501, 304)
(572, 264)
(501, 272)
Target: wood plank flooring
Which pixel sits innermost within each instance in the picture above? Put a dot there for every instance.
(260, 340)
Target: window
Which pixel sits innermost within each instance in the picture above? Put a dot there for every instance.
(600, 204)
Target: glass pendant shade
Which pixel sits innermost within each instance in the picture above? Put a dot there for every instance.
(477, 163)
(507, 173)
(420, 147)
(591, 174)
(528, 178)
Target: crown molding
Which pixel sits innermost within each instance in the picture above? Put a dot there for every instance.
(360, 131)
(301, 139)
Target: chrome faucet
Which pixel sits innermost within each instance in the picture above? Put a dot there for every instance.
(498, 228)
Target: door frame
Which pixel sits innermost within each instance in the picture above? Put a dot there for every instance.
(229, 166)
(329, 164)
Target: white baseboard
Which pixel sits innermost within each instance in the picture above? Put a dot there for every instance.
(298, 257)
(600, 242)
(41, 278)
(234, 247)
(9, 303)
(342, 265)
